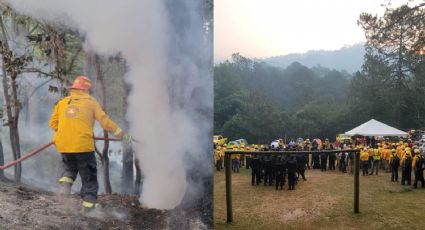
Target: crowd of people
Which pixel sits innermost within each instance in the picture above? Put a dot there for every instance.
(277, 169)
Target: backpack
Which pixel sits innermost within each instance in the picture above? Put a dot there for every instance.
(421, 163)
(408, 163)
(396, 161)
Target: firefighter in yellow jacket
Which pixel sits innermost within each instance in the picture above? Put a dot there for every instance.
(73, 120)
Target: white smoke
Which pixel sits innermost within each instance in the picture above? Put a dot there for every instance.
(168, 89)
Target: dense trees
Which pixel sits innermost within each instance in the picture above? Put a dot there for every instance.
(260, 102)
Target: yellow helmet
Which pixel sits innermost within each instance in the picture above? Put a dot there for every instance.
(225, 145)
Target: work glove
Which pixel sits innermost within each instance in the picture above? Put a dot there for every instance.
(127, 138)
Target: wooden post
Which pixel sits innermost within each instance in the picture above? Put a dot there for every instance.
(228, 174)
(356, 182)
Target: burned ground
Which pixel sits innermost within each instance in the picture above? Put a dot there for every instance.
(28, 208)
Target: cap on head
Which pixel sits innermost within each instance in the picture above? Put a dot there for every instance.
(81, 82)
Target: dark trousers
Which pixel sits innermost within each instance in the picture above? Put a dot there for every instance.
(394, 173)
(85, 165)
(375, 166)
(291, 180)
(323, 163)
(370, 159)
(248, 162)
(255, 177)
(406, 176)
(332, 162)
(365, 168)
(316, 162)
(268, 177)
(419, 176)
(219, 165)
(279, 179)
(301, 172)
(307, 156)
(342, 166)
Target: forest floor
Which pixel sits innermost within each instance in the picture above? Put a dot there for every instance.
(324, 201)
(23, 208)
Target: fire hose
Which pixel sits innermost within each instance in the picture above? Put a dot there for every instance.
(41, 148)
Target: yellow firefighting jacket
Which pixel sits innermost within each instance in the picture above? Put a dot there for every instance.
(415, 160)
(364, 155)
(73, 120)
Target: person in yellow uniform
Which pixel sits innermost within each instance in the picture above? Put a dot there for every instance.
(364, 159)
(376, 160)
(72, 121)
(248, 156)
(406, 166)
(418, 166)
(394, 164)
(370, 159)
(242, 156)
(236, 164)
(218, 158)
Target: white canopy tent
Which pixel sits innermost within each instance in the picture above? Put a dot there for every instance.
(375, 128)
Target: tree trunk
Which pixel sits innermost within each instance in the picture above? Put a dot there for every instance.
(138, 181)
(2, 177)
(101, 94)
(127, 159)
(14, 126)
(12, 119)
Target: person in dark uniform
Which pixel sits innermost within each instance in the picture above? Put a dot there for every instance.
(332, 156)
(291, 166)
(255, 170)
(268, 171)
(301, 165)
(394, 163)
(418, 167)
(307, 147)
(315, 156)
(323, 160)
(279, 169)
(406, 169)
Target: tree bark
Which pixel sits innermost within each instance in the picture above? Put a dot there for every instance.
(11, 102)
(101, 94)
(138, 181)
(127, 159)
(2, 177)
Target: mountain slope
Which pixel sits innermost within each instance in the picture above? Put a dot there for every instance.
(348, 58)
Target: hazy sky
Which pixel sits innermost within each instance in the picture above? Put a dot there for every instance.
(262, 28)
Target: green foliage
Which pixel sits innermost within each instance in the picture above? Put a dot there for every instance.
(260, 103)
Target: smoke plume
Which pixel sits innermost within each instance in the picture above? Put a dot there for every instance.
(170, 103)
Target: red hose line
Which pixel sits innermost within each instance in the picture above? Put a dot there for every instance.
(107, 139)
(30, 154)
(35, 151)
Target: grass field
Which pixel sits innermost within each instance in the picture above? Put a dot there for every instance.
(324, 201)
